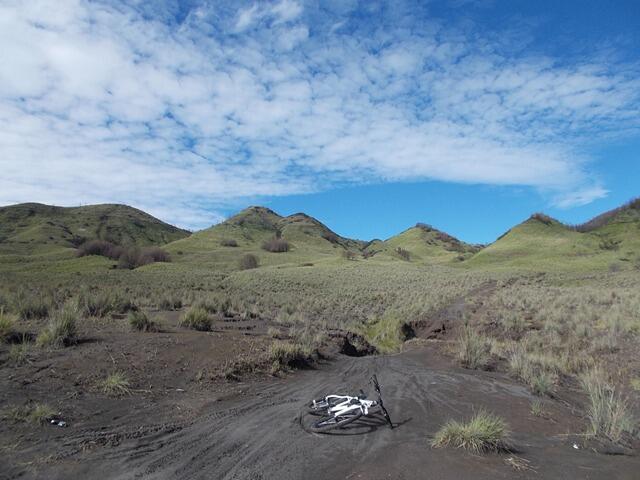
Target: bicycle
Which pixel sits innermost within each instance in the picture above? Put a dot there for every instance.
(340, 410)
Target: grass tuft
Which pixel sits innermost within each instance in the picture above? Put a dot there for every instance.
(608, 412)
(197, 318)
(139, 321)
(116, 384)
(474, 349)
(485, 432)
(7, 324)
(285, 355)
(61, 330)
(38, 413)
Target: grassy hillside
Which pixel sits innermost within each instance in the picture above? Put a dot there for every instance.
(35, 228)
(222, 245)
(542, 243)
(422, 243)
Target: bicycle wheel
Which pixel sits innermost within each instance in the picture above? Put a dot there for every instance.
(332, 422)
(320, 406)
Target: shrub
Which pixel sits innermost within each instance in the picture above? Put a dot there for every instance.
(197, 318)
(610, 244)
(349, 255)
(135, 257)
(276, 245)
(485, 432)
(608, 412)
(228, 242)
(331, 237)
(139, 321)
(100, 247)
(115, 384)
(473, 349)
(7, 324)
(61, 330)
(248, 261)
(403, 254)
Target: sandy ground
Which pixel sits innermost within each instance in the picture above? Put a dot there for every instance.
(259, 432)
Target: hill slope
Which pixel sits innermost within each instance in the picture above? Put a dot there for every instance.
(611, 240)
(30, 227)
(423, 243)
(246, 232)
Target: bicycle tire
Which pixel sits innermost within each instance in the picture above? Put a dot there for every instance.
(328, 423)
(320, 406)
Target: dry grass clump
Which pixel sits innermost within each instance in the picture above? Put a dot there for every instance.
(284, 355)
(474, 349)
(116, 384)
(485, 432)
(37, 413)
(248, 262)
(18, 353)
(29, 306)
(276, 245)
(538, 371)
(170, 303)
(61, 330)
(7, 325)
(608, 412)
(140, 321)
(197, 318)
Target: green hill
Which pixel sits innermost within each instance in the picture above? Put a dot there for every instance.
(611, 240)
(422, 243)
(224, 244)
(33, 228)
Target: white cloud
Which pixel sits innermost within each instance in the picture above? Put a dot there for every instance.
(103, 104)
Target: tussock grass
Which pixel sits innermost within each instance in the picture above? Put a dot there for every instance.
(608, 412)
(170, 303)
(116, 384)
(197, 318)
(285, 355)
(7, 325)
(18, 353)
(537, 408)
(61, 330)
(387, 332)
(140, 321)
(485, 432)
(474, 349)
(32, 306)
(37, 413)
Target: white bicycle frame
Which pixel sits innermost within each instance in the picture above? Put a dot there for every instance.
(347, 404)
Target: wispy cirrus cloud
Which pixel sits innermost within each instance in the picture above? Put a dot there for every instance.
(102, 102)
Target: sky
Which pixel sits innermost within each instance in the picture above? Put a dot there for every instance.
(372, 116)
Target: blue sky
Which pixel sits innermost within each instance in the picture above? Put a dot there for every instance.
(468, 115)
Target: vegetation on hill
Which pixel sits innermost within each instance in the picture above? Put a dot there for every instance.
(33, 227)
(422, 243)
